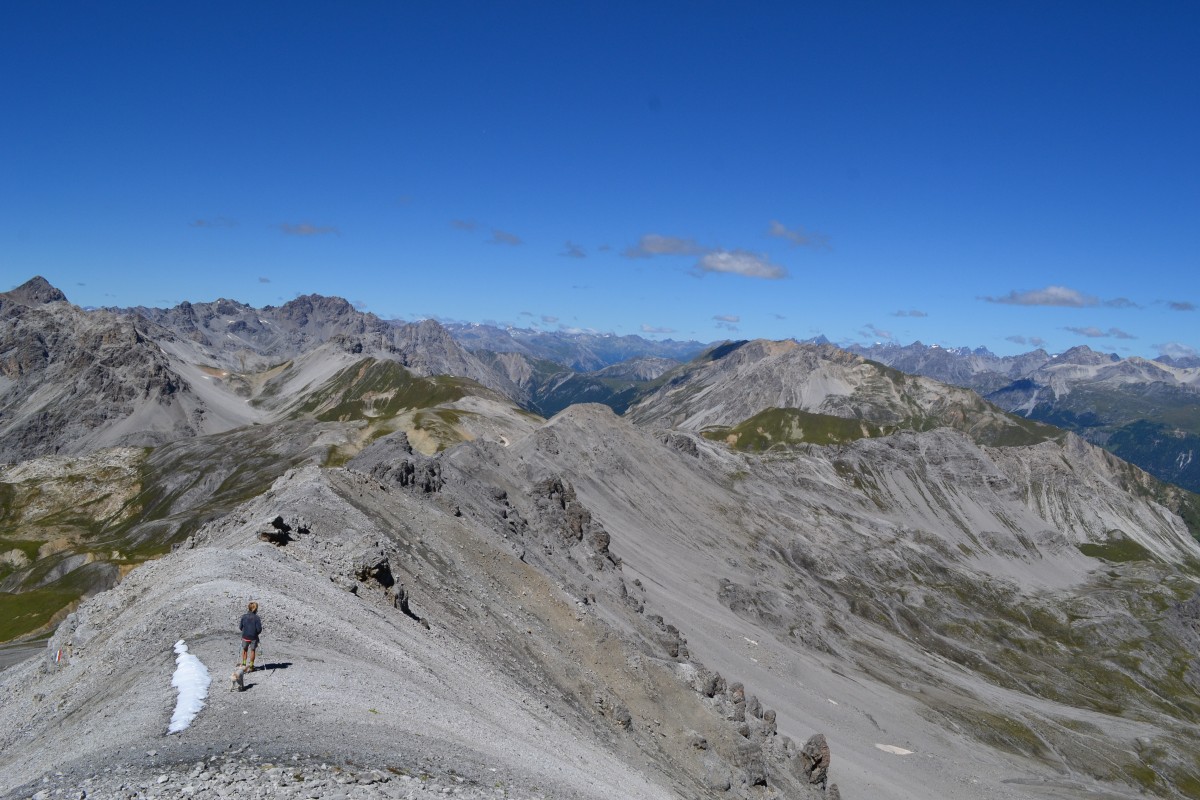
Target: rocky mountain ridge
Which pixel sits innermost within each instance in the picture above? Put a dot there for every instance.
(73, 380)
(1147, 412)
(780, 540)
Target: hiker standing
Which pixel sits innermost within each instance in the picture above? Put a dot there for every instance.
(251, 627)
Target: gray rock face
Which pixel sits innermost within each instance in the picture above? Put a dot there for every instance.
(814, 760)
(735, 382)
(614, 608)
(72, 378)
(242, 339)
(33, 292)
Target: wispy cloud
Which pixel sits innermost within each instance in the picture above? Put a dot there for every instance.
(1034, 341)
(1181, 305)
(779, 316)
(572, 250)
(604, 248)
(910, 313)
(525, 314)
(652, 329)
(1092, 332)
(359, 304)
(1050, 296)
(1121, 302)
(261, 279)
(464, 224)
(872, 332)
(215, 222)
(740, 262)
(504, 237)
(653, 244)
(1176, 350)
(308, 229)
(727, 318)
(798, 237)
(549, 320)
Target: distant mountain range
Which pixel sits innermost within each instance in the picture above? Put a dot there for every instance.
(1147, 412)
(787, 570)
(577, 351)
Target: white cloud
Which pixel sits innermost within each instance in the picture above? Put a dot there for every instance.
(731, 318)
(504, 237)
(652, 329)
(798, 236)
(1181, 305)
(1050, 296)
(872, 332)
(1092, 332)
(652, 244)
(910, 313)
(1176, 350)
(740, 262)
(549, 320)
(215, 222)
(308, 229)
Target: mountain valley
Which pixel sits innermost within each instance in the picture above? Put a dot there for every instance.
(778, 569)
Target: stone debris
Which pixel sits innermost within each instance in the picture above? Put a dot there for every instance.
(279, 533)
(246, 776)
(814, 759)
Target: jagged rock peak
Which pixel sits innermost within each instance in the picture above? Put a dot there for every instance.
(35, 291)
(302, 306)
(1083, 354)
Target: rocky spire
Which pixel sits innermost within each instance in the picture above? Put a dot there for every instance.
(35, 291)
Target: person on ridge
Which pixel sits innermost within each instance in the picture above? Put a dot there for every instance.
(251, 627)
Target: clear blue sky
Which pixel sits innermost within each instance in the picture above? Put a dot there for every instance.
(1000, 174)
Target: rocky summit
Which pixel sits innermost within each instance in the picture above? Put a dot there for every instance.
(786, 572)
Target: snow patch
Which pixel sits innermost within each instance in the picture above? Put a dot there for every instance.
(191, 680)
(891, 748)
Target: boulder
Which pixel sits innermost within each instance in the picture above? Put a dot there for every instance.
(373, 565)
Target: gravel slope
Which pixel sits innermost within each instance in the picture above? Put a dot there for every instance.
(346, 676)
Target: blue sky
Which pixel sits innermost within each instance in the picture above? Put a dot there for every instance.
(1008, 175)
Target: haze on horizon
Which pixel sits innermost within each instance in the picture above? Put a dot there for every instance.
(1011, 177)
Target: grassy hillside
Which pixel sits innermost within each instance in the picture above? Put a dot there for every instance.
(70, 527)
